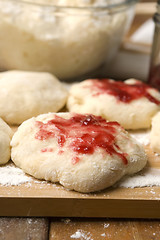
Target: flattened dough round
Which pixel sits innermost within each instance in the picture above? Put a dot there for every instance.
(87, 97)
(82, 152)
(5, 138)
(155, 133)
(27, 94)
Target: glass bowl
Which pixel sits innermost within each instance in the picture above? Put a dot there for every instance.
(70, 39)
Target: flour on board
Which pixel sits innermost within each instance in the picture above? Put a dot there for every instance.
(12, 175)
(147, 177)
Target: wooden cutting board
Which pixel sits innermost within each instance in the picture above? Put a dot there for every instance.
(40, 198)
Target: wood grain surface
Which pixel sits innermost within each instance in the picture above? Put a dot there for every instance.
(78, 228)
(107, 229)
(24, 228)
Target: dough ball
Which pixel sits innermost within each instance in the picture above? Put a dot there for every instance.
(5, 138)
(131, 103)
(27, 94)
(82, 152)
(155, 133)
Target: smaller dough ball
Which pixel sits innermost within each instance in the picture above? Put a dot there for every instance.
(84, 153)
(132, 103)
(155, 133)
(5, 138)
(27, 94)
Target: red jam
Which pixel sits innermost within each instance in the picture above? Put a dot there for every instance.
(122, 91)
(46, 150)
(75, 160)
(86, 132)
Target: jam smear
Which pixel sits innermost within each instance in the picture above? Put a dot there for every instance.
(46, 150)
(75, 160)
(86, 133)
(122, 91)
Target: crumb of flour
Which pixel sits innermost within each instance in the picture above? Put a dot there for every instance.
(103, 234)
(80, 234)
(106, 225)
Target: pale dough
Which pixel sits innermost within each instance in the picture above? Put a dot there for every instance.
(5, 138)
(49, 151)
(155, 133)
(137, 114)
(67, 42)
(27, 94)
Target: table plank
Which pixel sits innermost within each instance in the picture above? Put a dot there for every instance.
(23, 228)
(99, 229)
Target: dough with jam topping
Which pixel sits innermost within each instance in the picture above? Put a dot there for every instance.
(84, 153)
(5, 138)
(131, 103)
(155, 133)
(27, 94)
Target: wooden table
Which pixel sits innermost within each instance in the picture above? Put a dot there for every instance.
(83, 228)
(78, 228)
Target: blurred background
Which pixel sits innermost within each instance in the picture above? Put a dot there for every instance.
(133, 58)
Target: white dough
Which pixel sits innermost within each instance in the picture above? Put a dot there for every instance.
(155, 133)
(5, 138)
(137, 114)
(27, 94)
(45, 158)
(67, 42)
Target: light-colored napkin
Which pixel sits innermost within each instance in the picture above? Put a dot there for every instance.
(145, 33)
(133, 59)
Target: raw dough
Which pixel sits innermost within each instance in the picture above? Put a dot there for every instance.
(27, 94)
(66, 42)
(5, 138)
(155, 133)
(86, 97)
(82, 152)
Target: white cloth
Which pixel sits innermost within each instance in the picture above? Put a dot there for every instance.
(133, 61)
(145, 33)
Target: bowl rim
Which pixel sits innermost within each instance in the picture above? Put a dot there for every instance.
(123, 4)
